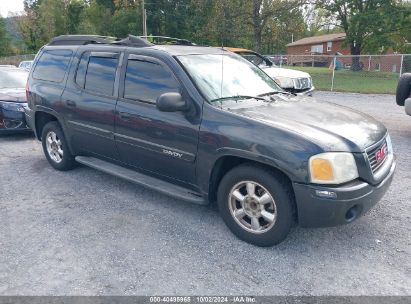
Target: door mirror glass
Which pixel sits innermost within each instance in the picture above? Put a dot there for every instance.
(171, 102)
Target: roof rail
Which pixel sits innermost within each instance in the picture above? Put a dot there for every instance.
(132, 40)
(80, 39)
(167, 40)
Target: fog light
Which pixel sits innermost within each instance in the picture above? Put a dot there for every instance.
(326, 194)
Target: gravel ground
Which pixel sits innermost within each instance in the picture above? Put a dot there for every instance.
(87, 233)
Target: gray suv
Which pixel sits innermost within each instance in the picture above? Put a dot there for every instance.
(205, 125)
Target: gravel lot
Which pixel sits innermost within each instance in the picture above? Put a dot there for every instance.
(87, 233)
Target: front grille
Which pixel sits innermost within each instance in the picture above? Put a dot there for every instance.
(303, 83)
(375, 162)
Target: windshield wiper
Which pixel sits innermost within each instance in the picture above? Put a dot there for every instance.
(239, 97)
(274, 93)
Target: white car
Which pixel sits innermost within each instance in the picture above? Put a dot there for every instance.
(296, 82)
(26, 65)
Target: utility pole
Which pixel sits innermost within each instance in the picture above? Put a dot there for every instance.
(144, 19)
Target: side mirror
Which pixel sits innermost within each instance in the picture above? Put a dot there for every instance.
(171, 102)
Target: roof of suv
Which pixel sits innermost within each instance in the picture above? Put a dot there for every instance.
(186, 48)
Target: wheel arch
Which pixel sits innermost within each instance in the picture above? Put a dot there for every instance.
(227, 162)
(41, 118)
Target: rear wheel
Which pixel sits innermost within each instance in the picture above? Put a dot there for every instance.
(55, 147)
(256, 204)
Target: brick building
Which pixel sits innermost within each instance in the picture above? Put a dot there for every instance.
(324, 45)
(301, 52)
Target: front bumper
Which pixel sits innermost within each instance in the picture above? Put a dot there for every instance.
(12, 121)
(308, 92)
(407, 106)
(349, 203)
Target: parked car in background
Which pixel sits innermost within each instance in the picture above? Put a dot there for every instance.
(278, 60)
(296, 82)
(7, 66)
(204, 125)
(403, 95)
(26, 65)
(12, 100)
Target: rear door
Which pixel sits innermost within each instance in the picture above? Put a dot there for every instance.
(164, 143)
(90, 103)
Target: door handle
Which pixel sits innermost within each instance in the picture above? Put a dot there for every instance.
(70, 103)
(125, 116)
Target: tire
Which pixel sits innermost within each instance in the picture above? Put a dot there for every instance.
(259, 231)
(56, 151)
(403, 89)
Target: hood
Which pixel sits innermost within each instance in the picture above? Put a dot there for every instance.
(280, 72)
(13, 95)
(330, 126)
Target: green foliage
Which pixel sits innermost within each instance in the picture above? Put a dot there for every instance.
(371, 26)
(4, 39)
(74, 13)
(263, 25)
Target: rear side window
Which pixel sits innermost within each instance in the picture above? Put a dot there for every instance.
(146, 80)
(52, 65)
(100, 75)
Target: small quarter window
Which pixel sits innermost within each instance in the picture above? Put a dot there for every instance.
(146, 80)
(52, 65)
(82, 69)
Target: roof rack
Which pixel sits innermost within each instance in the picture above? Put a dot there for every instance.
(131, 40)
(95, 39)
(167, 40)
(80, 39)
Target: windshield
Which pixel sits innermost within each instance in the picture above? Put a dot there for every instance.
(12, 79)
(220, 76)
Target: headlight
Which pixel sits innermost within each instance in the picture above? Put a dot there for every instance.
(12, 106)
(285, 82)
(332, 168)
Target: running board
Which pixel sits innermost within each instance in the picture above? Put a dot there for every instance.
(143, 180)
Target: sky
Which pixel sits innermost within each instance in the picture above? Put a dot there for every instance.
(7, 6)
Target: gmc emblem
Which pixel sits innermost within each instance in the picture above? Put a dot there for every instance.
(380, 154)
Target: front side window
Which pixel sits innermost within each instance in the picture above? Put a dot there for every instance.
(52, 65)
(100, 75)
(225, 75)
(146, 80)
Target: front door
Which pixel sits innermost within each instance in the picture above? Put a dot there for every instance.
(164, 143)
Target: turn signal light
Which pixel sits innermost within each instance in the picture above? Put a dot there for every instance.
(322, 169)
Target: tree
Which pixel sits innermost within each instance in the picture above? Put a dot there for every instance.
(4, 39)
(265, 10)
(368, 24)
(74, 11)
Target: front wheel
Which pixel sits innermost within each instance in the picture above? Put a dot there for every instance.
(55, 147)
(256, 204)
(403, 89)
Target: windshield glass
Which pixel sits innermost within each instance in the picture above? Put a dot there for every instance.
(220, 76)
(12, 78)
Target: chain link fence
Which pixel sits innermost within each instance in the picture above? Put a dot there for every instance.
(346, 73)
(15, 60)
